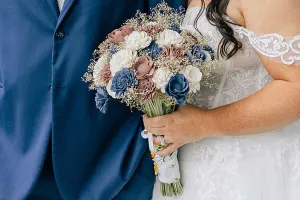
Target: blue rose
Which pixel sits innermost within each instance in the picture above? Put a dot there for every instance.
(198, 53)
(122, 80)
(210, 51)
(178, 88)
(153, 49)
(102, 99)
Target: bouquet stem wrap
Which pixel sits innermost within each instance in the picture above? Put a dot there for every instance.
(166, 168)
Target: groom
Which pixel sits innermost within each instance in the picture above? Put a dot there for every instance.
(54, 144)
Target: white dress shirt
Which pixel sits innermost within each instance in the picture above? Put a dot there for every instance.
(60, 4)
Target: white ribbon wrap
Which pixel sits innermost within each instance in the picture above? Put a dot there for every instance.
(168, 167)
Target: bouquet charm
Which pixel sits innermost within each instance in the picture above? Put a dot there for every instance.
(155, 65)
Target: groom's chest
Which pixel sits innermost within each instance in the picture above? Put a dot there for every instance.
(40, 37)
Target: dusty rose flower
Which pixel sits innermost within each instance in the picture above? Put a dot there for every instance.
(105, 74)
(152, 29)
(118, 35)
(146, 89)
(173, 51)
(190, 39)
(144, 68)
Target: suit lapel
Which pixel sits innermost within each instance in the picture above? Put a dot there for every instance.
(66, 8)
(54, 7)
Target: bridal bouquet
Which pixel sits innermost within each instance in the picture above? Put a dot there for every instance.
(154, 64)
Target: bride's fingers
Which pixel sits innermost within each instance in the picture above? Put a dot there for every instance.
(146, 124)
(168, 150)
(157, 140)
(158, 131)
(157, 122)
(168, 139)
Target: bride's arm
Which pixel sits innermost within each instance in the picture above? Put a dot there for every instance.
(275, 106)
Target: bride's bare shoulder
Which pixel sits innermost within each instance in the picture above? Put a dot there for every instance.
(267, 16)
(233, 9)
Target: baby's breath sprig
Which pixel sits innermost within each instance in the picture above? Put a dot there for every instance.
(204, 40)
(138, 21)
(102, 48)
(88, 76)
(173, 63)
(166, 16)
(132, 99)
(209, 72)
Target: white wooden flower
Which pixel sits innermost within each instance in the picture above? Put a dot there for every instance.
(169, 37)
(194, 76)
(161, 78)
(137, 40)
(122, 59)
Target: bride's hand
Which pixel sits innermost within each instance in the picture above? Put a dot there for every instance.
(186, 125)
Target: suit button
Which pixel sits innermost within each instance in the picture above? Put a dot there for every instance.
(60, 35)
(50, 88)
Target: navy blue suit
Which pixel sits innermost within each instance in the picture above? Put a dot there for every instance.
(43, 55)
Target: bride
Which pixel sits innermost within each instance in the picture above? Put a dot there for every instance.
(241, 138)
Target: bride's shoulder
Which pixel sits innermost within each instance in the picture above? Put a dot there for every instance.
(268, 16)
(275, 30)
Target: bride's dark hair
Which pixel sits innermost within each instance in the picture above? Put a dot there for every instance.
(215, 12)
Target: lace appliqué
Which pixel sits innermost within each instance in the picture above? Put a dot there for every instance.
(288, 157)
(274, 45)
(218, 167)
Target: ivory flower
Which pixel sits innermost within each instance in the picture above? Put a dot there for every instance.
(161, 78)
(170, 37)
(194, 76)
(137, 40)
(122, 59)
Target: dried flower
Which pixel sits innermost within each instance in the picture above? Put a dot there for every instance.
(173, 51)
(144, 68)
(189, 38)
(152, 28)
(170, 37)
(118, 35)
(123, 80)
(153, 49)
(137, 40)
(102, 99)
(98, 67)
(199, 54)
(178, 88)
(161, 78)
(122, 59)
(146, 89)
(105, 74)
(194, 76)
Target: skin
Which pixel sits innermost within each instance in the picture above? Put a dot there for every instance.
(273, 107)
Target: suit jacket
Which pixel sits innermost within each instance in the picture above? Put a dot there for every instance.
(43, 55)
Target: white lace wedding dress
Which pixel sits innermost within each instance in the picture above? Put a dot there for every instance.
(256, 167)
